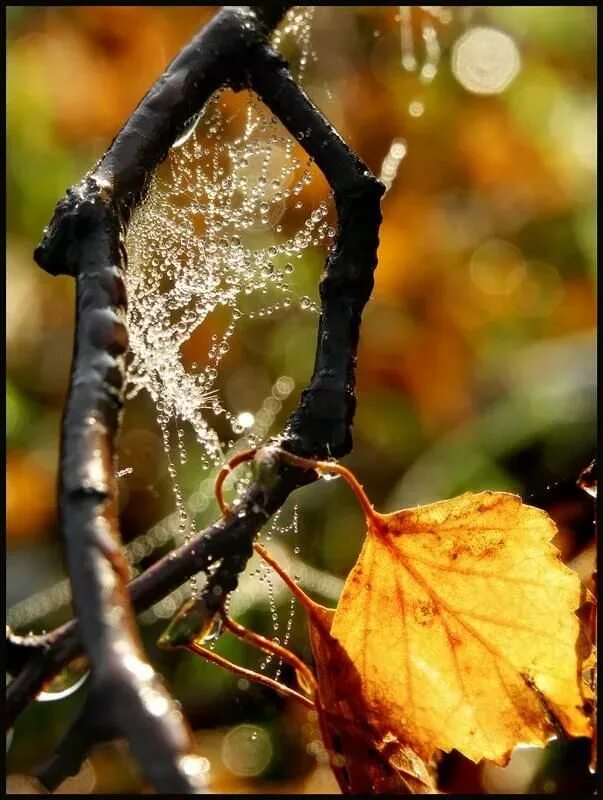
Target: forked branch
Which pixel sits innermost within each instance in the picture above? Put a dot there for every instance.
(85, 240)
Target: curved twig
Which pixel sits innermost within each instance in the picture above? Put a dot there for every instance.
(321, 425)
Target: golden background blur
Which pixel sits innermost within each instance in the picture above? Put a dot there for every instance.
(476, 363)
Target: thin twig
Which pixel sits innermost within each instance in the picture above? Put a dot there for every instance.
(167, 574)
(249, 674)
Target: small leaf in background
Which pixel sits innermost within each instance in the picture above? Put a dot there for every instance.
(193, 621)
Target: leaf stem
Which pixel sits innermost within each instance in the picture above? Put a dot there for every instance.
(337, 469)
(240, 458)
(310, 605)
(304, 675)
(249, 674)
(297, 461)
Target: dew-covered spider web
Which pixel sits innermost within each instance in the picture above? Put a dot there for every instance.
(215, 244)
(218, 245)
(211, 237)
(227, 221)
(223, 225)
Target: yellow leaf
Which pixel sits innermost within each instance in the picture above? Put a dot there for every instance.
(460, 618)
(365, 757)
(456, 629)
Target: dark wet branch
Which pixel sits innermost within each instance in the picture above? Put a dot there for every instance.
(92, 725)
(85, 240)
(226, 538)
(321, 425)
(21, 650)
(217, 56)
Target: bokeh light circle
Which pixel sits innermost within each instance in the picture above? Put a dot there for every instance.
(246, 750)
(485, 60)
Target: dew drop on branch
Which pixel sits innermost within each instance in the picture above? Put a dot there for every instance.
(66, 682)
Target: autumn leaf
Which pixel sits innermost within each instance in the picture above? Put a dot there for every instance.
(365, 757)
(362, 759)
(587, 480)
(460, 618)
(456, 629)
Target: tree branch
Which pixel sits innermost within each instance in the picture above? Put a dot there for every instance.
(224, 537)
(91, 725)
(321, 425)
(22, 649)
(85, 240)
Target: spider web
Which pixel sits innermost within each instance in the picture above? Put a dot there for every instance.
(224, 223)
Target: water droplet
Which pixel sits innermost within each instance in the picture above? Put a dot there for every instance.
(305, 303)
(214, 631)
(245, 419)
(66, 682)
(329, 476)
(188, 131)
